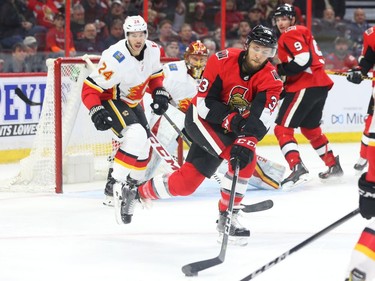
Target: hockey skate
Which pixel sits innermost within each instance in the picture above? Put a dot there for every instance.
(333, 173)
(356, 275)
(126, 197)
(238, 235)
(298, 176)
(108, 191)
(360, 165)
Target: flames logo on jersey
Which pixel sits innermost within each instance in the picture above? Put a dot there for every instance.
(136, 93)
(183, 105)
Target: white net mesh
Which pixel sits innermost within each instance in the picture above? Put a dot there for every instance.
(84, 149)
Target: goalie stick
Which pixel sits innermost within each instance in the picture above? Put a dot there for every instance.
(192, 269)
(24, 98)
(300, 246)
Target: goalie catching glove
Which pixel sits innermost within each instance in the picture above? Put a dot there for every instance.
(243, 149)
(101, 118)
(366, 197)
(160, 101)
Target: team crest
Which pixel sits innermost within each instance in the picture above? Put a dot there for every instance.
(222, 54)
(119, 56)
(237, 100)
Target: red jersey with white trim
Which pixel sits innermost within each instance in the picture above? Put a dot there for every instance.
(298, 45)
(119, 75)
(224, 88)
(368, 50)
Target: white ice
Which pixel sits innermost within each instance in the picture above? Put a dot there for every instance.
(72, 236)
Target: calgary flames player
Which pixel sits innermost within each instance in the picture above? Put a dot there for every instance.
(231, 112)
(362, 265)
(306, 89)
(113, 92)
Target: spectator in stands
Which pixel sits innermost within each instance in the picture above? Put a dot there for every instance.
(233, 19)
(129, 8)
(199, 21)
(244, 6)
(94, 12)
(356, 28)
(266, 11)
(17, 61)
(152, 24)
(172, 49)
(179, 16)
(165, 32)
(55, 38)
(45, 11)
(116, 11)
(89, 44)
(211, 46)
(254, 17)
(35, 61)
(186, 37)
(340, 59)
(116, 33)
(326, 30)
(77, 23)
(16, 22)
(217, 38)
(243, 31)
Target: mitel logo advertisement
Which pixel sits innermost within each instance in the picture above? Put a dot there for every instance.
(348, 119)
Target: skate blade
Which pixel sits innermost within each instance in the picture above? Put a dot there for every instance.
(333, 180)
(290, 185)
(108, 201)
(234, 240)
(117, 204)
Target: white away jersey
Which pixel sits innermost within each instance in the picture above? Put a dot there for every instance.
(117, 67)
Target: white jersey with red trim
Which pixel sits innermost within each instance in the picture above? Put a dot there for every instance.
(124, 74)
(179, 84)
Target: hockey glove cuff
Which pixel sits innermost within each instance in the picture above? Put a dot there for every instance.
(234, 122)
(355, 75)
(160, 101)
(101, 118)
(366, 197)
(243, 149)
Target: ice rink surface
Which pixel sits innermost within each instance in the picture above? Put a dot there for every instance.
(72, 236)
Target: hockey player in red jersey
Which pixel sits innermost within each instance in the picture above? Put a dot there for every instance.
(230, 114)
(306, 88)
(113, 92)
(362, 264)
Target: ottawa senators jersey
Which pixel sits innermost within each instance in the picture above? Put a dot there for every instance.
(119, 75)
(367, 58)
(225, 88)
(298, 45)
(179, 84)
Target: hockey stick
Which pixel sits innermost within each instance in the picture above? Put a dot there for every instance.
(24, 98)
(192, 269)
(301, 245)
(257, 207)
(346, 74)
(186, 140)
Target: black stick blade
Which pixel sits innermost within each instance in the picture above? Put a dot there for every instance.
(192, 269)
(257, 207)
(24, 98)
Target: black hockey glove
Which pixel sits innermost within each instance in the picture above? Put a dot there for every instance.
(160, 102)
(101, 118)
(354, 76)
(243, 149)
(366, 197)
(234, 122)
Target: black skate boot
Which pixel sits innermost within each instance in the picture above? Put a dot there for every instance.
(108, 191)
(360, 165)
(126, 196)
(298, 176)
(238, 235)
(333, 172)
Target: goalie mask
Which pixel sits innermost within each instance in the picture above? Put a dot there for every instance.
(134, 24)
(196, 56)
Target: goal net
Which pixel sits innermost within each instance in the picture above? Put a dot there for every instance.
(67, 148)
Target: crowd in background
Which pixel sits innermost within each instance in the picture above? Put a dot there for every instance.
(33, 30)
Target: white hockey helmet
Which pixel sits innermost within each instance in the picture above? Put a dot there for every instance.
(135, 24)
